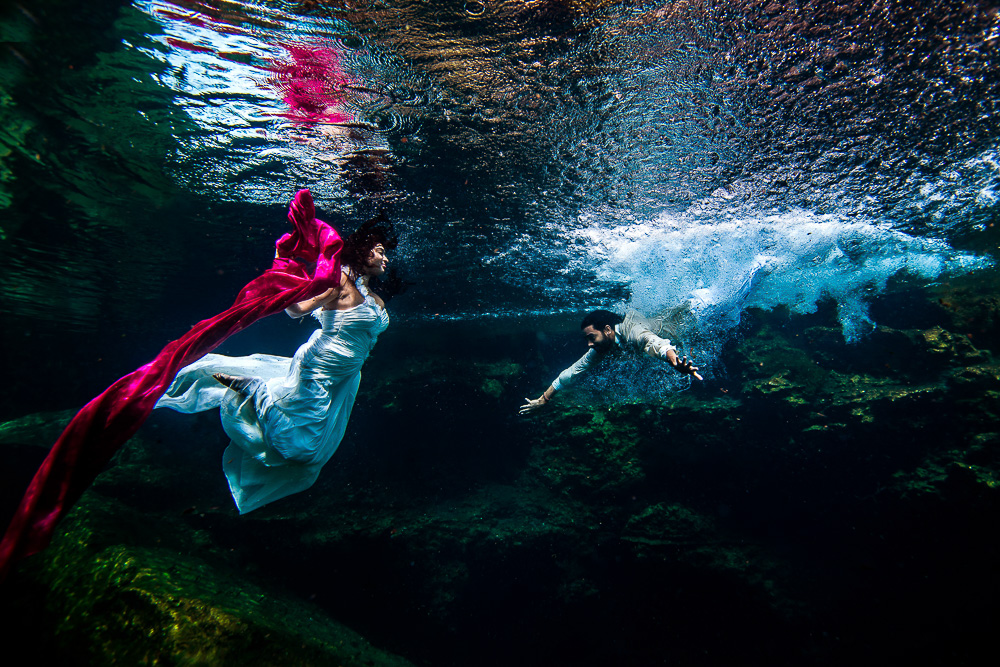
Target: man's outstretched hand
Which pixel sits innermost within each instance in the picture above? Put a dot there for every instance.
(682, 364)
(687, 367)
(531, 405)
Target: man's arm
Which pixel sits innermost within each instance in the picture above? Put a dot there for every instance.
(661, 348)
(565, 378)
(534, 404)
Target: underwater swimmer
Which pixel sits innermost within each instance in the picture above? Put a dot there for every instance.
(605, 332)
(106, 423)
(286, 416)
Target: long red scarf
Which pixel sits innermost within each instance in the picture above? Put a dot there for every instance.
(108, 421)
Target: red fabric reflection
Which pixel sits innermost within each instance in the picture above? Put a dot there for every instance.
(108, 421)
(311, 84)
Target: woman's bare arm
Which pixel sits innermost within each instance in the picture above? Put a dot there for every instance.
(303, 308)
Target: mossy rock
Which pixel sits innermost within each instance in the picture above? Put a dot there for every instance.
(773, 368)
(127, 604)
(975, 379)
(492, 387)
(675, 532)
(39, 429)
(593, 449)
(501, 369)
(969, 473)
(952, 347)
(663, 524)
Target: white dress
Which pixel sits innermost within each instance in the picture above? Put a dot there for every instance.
(296, 414)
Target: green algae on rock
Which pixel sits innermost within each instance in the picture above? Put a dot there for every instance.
(590, 450)
(39, 429)
(130, 604)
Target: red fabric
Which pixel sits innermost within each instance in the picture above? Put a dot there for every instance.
(108, 421)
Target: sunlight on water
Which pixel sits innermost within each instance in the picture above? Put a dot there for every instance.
(493, 131)
(535, 117)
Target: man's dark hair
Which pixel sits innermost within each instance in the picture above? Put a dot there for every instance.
(600, 319)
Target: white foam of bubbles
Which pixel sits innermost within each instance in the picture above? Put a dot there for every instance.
(795, 259)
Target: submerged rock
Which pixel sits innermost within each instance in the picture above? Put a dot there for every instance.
(968, 474)
(35, 430)
(137, 602)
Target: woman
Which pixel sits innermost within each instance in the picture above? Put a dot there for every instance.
(286, 417)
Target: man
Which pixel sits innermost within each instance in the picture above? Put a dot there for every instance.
(606, 331)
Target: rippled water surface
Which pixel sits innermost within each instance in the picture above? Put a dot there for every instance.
(512, 139)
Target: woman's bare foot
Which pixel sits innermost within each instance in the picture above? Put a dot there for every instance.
(241, 385)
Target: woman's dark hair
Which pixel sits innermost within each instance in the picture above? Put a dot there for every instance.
(358, 246)
(600, 319)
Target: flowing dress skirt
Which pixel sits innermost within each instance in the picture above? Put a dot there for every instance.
(291, 423)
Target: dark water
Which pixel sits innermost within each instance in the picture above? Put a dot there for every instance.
(827, 495)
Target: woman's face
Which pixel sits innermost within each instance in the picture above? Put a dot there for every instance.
(377, 261)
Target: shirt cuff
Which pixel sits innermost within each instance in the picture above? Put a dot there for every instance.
(663, 347)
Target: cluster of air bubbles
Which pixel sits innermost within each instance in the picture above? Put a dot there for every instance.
(795, 260)
(963, 194)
